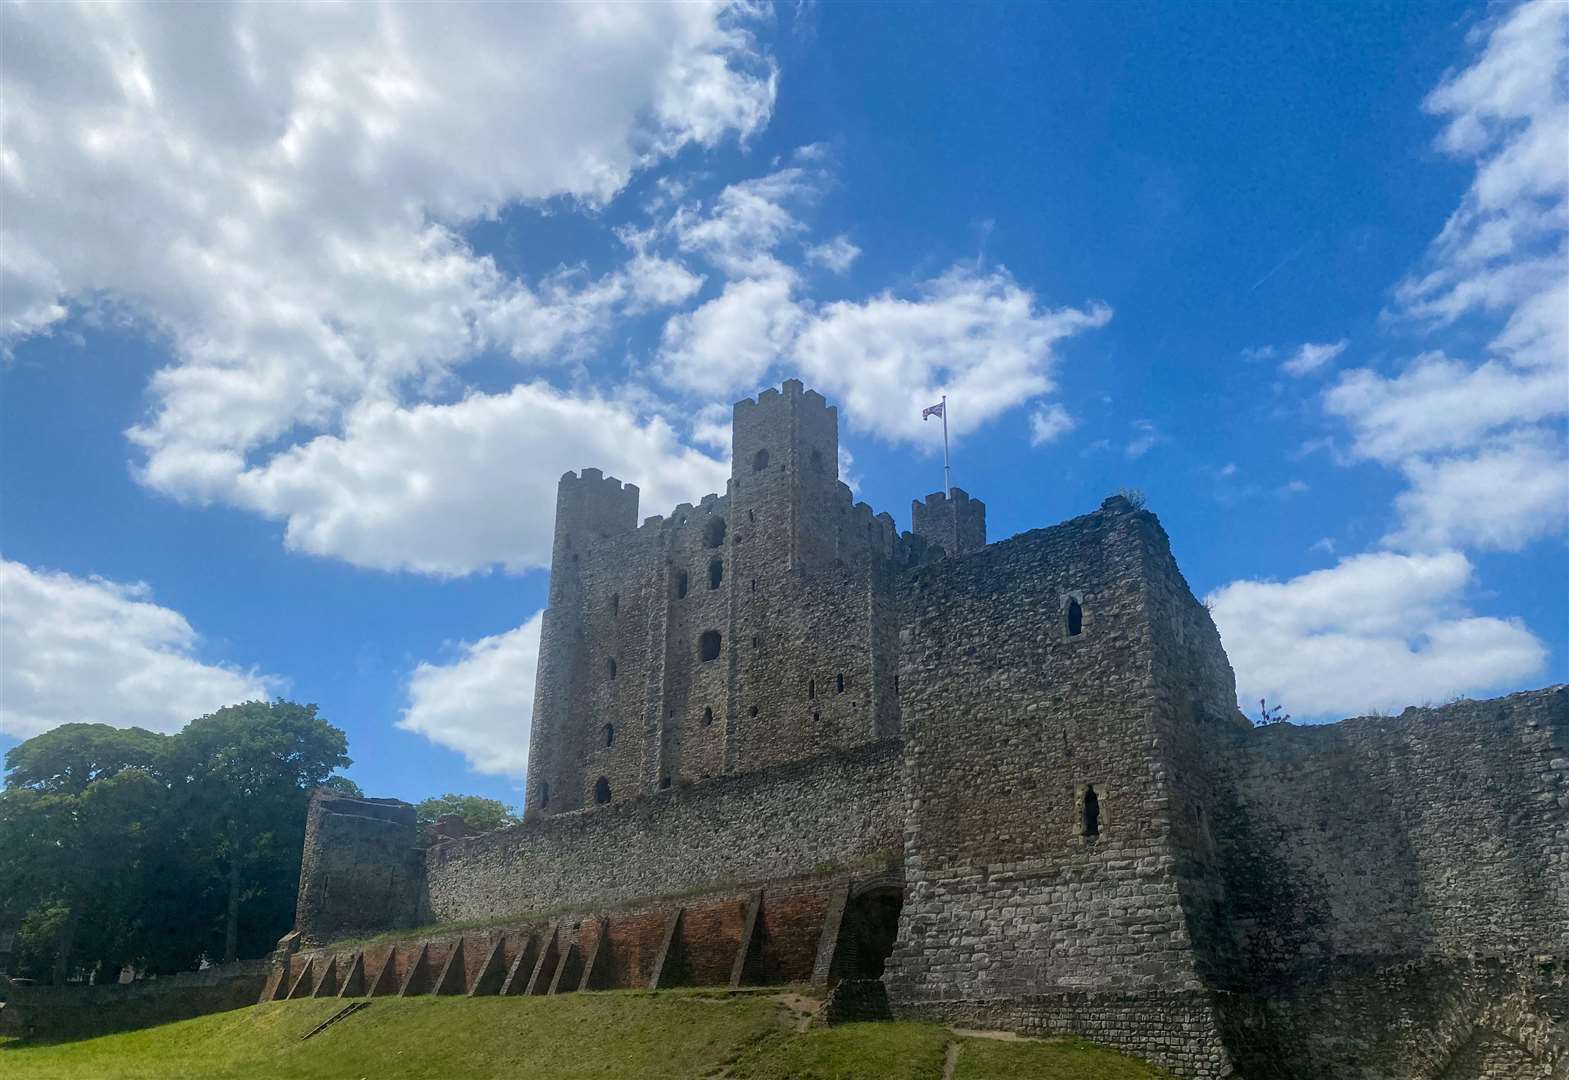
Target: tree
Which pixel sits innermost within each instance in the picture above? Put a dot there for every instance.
(81, 809)
(243, 776)
(479, 814)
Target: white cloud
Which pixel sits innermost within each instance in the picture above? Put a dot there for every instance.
(1482, 442)
(1506, 494)
(277, 188)
(1310, 358)
(482, 703)
(980, 338)
(93, 651)
(836, 255)
(1050, 423)
(728, 344)
(1376, 631)
(450, 489)
(747, 222)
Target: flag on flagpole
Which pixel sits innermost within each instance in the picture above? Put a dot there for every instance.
(935, 410)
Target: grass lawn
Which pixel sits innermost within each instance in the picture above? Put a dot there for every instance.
(623, 1035)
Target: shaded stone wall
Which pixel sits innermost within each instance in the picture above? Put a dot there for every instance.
(838, 810)
(79, 1011)
(1010, 721)
(360, 871)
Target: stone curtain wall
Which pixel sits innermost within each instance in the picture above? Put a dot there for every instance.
(1009, 720)
(360, 871)
(1398, 875)
(839, 810)
(77, 1011)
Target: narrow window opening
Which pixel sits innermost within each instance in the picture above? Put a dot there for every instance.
(615, 603)
(896, 684)
(681, 584)
(714, 532)
(1091, 812)
(811, 689)
(708, 645)
(760, 461)
(708, 717)
(610, 735)
(752, 711)
(716, 573)
(664, 782)
(1075, 618)
(611, 667)
(544, 792)
(839, 684)
(602, 790)
(757, 642)
(751, 516)
(754, 584)
(817, 461)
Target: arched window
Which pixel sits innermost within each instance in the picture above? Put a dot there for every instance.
(839, 685)
(681, 585)
(716, 573)
(611, 667)
(760, 461)
(752, 711)
(1075, 617)
(610, 735)
(1091, 812)
(714, 532)
(664, 782)
(708, 645)
(602, 790)
(708, 717)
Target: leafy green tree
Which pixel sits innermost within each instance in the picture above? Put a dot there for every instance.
(478, 813)
(245, 774)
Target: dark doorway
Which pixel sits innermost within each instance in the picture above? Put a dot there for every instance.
(1091, 812)
(866, 936)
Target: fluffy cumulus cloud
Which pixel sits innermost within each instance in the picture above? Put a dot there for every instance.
(448, 489)
(726, 346)
(1375, 632)
(288, 183)
(980, 337)
(481, 703)
(86, 650)
(1482, 441)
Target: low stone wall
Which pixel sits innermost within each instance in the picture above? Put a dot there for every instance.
(53, 1012)
(1174, 1030)
(837, 812)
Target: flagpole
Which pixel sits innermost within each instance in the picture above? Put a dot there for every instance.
(947, 470)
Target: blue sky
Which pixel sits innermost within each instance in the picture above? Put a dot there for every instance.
(306, 310)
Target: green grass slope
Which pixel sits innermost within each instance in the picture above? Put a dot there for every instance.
(609, 1036)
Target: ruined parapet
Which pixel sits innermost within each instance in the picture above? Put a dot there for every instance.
(361, 871)
(956, 522)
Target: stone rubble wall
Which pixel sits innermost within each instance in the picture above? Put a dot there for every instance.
(839, 811)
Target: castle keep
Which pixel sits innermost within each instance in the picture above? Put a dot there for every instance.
(1006, 784)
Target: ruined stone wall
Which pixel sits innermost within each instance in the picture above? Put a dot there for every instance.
(360, 872)
(1369, 865)
(839, 810)
(1010, 721)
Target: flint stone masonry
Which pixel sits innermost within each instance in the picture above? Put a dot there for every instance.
(772, 735)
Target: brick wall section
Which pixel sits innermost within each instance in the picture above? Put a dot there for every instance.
(359, 872)
(841, 810)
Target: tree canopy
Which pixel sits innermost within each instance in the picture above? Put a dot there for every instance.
(479, 814)
(123, 846)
